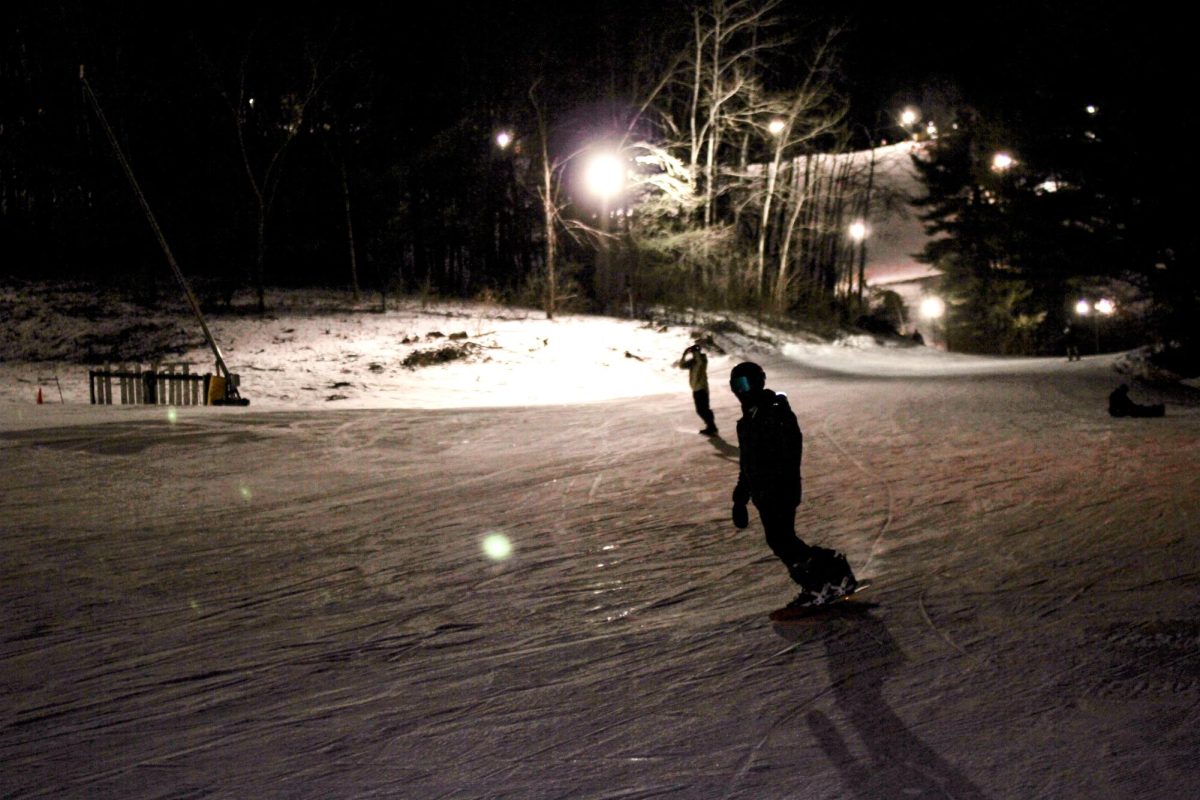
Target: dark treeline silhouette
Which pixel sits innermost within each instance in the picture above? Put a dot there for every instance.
(305, 145)
(308, 144)
(294, 145)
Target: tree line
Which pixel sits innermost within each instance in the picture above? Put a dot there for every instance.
(299, 149)
(349, 148)
(1039, 214)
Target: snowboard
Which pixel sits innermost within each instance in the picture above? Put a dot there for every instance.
(846, 605)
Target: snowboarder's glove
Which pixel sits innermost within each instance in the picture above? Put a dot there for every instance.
(741, 516)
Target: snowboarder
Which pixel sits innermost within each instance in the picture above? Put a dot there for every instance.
(1119, 405)
(771, 446)
(696, 363)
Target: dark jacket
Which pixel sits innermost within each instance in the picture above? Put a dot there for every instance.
(1119, 405)
(771, 447)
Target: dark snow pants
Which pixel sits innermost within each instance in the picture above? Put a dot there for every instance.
(779, 524)
(810, 567)
(700, 398)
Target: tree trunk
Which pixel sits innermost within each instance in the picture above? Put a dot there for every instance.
(551, 298)
(866, 215)
(765, 223)
(349, 230)
(783, 278)
(714, 137)
(260, 257)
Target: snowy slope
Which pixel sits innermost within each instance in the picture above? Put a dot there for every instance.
(321, 349)
(296, 602)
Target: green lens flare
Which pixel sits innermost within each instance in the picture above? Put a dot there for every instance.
(497, 547)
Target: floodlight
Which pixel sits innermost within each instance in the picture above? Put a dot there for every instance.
(932, 307)
(604, 175)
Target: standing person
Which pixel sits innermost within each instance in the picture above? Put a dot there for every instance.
(771, 446)
(1071, 341)
(696, 363)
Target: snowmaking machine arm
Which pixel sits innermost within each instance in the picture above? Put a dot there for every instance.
(231, 395)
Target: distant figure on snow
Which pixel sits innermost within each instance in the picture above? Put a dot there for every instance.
(1119, 405)
(696, 363)
(1071, 342)
(771, 447)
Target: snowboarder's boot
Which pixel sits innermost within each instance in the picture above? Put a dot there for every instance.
(832, 591)
(803, 600)
(824, 576)
(711, 430)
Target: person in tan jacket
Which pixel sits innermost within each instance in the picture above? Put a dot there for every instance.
(696, 363)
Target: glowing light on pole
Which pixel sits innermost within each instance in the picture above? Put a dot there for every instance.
(604, 176)
(858, 230)
(776, 127)
(1102, 308)
(933, 309)
(1002, 161)
(503, 139)
(909, 117)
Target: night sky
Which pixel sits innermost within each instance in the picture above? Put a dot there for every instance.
(987, 52)
(1129, 54)
(462, 69)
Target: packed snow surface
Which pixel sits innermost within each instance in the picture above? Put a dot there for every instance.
(517, 578)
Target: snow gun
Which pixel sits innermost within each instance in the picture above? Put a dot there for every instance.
(224, 386)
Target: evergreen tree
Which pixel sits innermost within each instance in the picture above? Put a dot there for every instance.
(1022, 213)
(963, 209)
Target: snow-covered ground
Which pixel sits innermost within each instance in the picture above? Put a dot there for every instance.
(295, 599)
(321, 349)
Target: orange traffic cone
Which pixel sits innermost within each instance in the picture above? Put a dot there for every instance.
(39, 395)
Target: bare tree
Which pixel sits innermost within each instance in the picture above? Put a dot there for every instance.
(548, 187)
(266, 124)
(341, 116)
(728, 40)
(809, 113)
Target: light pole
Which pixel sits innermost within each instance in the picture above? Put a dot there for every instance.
(933, 308)
(603, 177)
(858, 233)
(1101, 308)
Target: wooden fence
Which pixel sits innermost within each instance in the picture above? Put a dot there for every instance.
(161, 384)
